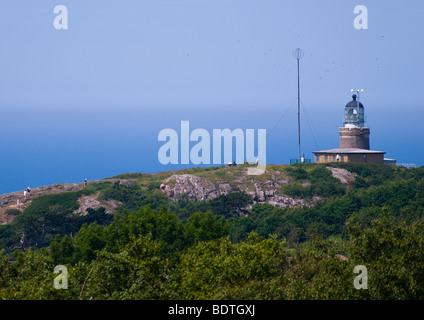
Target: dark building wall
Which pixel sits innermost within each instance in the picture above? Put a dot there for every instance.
(355, 138)
(367, 158)
(350, 157)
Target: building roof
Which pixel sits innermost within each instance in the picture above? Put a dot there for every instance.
(349, 150)
(354, 103)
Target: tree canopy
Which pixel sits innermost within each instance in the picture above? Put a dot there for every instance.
(221, 250)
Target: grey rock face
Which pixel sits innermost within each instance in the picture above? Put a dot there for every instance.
(198, 188)
(342, 174)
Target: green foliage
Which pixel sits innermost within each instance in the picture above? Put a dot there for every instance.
(217, 250)
(226, 205)
(62, 250)
(205, 226)
(296, 190)
(63, 202)
(392, 252)
(6, 236)
(297, 172)
(224, 270)
(135, 272)
(161, 224)
(184, 208)
(374, 174)
(319, 182)
(89, 239)
(230, 204)
(38, 225)
(98, 216)
(133, 197)
(30, 278)
(315, 272)
(12, 212)
(50, 215)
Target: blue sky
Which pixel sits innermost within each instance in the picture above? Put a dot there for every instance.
(89, 102)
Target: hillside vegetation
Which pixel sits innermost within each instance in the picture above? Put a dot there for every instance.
(230, 246)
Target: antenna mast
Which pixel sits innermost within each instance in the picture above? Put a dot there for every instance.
(298, 54)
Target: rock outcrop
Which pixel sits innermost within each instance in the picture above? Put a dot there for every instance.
(18, 201)
(194, 187)
(343, 175)
(200, 189)
(92, 201)
(266, 188)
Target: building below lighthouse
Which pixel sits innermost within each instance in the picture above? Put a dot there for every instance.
(354, 139)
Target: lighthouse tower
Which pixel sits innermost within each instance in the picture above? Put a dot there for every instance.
(353, 134)
(354, 139)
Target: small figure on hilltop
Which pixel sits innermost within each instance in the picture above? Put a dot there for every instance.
(27, 192)
(85, 183)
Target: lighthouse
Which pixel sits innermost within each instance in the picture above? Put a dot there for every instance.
(354, 138)
(354, 134)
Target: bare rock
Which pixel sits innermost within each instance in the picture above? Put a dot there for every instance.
(93, 202)
(343, 175)
(197, 188)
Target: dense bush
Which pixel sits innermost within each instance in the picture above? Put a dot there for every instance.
(208, 250)
(318, 181)
(133, 196)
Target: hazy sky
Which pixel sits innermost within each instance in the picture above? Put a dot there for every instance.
(90, 101)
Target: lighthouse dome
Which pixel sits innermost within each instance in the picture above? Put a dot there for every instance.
(354, 103)
(354, 113)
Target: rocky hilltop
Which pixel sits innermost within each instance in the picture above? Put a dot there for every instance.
(18, 201)
(196, 184)
(200, 189)
(265, 189)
